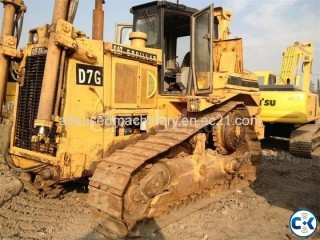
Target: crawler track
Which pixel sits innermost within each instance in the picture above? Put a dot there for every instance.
(305, 141)
(113, 175)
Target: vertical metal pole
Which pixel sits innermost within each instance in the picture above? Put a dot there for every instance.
(307, 67)
(45, 110)
(71, 14)
(7, 29)
(98, 20)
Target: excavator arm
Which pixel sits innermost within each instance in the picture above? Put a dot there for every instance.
(296, 66)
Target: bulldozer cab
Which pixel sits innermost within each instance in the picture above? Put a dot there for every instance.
(184, 34)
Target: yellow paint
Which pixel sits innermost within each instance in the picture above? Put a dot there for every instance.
(86, 127)
(265, 77)
(299, 105)
(289, 107)
(11, 91)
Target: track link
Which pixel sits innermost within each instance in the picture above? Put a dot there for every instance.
(305, 141)
(112, 176)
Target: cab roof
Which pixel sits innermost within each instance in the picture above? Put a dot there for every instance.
(164, 4)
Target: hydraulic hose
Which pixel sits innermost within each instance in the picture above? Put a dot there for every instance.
(10, 163)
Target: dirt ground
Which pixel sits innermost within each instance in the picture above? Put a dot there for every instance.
(261, 211)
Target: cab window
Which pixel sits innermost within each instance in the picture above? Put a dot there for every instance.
(150, 26)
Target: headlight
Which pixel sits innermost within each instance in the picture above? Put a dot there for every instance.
(35, 38)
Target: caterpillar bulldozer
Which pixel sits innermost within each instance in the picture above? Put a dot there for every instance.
(157, 139)
(289, 108)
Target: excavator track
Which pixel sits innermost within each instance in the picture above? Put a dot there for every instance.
(112, 177)
(305, 141)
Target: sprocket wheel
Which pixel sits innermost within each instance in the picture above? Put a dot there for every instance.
(229, 133)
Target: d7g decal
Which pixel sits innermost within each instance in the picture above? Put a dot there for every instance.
(89, 75)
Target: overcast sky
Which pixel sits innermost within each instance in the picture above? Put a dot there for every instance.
(266, 26)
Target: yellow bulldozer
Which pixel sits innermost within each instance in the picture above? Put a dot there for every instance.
(288, 107)
(158, 139)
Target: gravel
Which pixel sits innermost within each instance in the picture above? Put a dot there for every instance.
(262, 211)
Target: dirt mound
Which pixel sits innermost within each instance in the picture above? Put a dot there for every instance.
(32, 217)
(9, 184)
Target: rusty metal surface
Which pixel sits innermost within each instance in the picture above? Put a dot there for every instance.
(305, 141)
(98, 20)
(6, 30)
(115, 178)
(50, 77)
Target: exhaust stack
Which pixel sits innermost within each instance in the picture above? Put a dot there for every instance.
(98, 20)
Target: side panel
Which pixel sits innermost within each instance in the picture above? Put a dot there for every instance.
(81, 141)
(149, 86)
(284, 107)
(134, 84)
(125, 79)
(228, 56)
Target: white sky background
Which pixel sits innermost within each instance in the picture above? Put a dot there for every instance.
(266, 26)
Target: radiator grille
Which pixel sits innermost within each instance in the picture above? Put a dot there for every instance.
(126, 76)
(28, 102)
